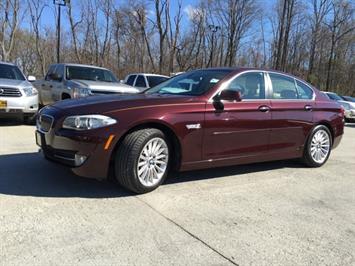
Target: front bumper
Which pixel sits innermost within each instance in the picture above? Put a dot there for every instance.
(22, 105)
(85, 154)
(350, 115)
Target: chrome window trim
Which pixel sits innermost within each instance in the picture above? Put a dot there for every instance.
(295, 79)
(268, 87)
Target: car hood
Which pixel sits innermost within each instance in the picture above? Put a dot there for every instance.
(104, 86)
(14, 83)
(352, 105)
(112, 103)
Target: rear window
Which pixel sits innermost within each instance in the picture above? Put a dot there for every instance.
(283, 87)
(304, 92)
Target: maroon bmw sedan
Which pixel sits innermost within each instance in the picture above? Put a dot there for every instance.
(200, 119)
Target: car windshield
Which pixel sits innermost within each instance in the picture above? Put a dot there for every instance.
(349, 99)
(155, 80)
(89, 73)
(334, 97)
(191, 83)
(10, 72)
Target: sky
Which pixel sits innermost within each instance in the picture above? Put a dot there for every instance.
(49, 18)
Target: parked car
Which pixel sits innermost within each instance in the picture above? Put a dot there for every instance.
(335, 97)
(199, 119)
(348, 98)
(144, 81)
(349, 112)
(67, 81)
(17, 95)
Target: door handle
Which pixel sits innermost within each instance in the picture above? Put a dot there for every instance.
(264, 108)
(308, 108)
(50, 86)
(43, 85)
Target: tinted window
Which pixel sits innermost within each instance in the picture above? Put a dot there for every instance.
(191, 83)
(130, 80)
(250, 85)
(155, 80)
(89, 73)
(304, 92)
(10, 72)
(283, 87)
(50, 71)
(334, 97)
(140, 82)
(59, 70)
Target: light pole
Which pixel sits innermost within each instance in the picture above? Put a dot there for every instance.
(59, 3)
(213, 29)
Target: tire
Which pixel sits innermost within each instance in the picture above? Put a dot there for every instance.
(135, 165)
(318, 147)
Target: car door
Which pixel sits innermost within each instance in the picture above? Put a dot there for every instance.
(140, 83)
(292, 117)
(57, 85)
(242, 128)
(46, 87)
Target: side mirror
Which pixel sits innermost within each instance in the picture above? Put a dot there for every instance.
(31, 78)
(230, 95)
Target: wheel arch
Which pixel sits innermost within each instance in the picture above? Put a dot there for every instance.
(166, 129)
(322, 123)
(65, 96)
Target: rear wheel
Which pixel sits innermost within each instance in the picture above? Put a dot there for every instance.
(142, 160)
(318, 147)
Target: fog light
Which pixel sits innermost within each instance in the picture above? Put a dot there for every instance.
(79, 159)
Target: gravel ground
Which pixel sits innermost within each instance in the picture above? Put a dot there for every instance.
(277, 213)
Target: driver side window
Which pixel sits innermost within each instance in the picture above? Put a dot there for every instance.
(250, 85)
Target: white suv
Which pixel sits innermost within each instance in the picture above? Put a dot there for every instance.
(17, 95)
(144, 81)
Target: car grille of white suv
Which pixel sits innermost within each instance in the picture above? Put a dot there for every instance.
(10, 92)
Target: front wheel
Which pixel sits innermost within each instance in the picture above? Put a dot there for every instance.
(318, 147)
(142, 160)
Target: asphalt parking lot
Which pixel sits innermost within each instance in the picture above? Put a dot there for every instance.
(277, 213)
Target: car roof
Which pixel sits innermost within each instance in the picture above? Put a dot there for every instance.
(81, 65)
(7, 63)
(148, 74)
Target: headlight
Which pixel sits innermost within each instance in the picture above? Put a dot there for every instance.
(86, 122)
(30, 91)
(81, 92)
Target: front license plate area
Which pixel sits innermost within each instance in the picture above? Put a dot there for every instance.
(3, 104)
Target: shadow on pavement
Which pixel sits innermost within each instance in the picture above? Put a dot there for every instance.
(233, 170)
(11, 121)
(29, 174)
